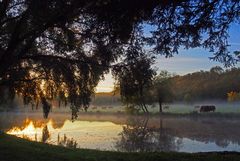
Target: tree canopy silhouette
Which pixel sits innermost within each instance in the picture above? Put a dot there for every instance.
(134, 77)
(55, 48)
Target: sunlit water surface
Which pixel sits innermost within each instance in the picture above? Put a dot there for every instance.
(124, 133)
(82, 134)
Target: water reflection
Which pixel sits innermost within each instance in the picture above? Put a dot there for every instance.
(84, 134)
(45, 134)
(137, 136)
(66, 142)
(129, 133)
(37, 131)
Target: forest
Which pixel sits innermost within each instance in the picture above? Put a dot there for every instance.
(202, 85)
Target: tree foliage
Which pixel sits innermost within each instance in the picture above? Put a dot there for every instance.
(233, 96)
(206, 85)
(52, 47)
(134, 77)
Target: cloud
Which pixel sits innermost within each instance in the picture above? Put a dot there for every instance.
(181, 60)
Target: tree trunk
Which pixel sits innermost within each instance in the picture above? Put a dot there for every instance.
(142, 107)
(145, 108)
(160, 106)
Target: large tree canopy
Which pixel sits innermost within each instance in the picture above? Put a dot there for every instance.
(62, 48)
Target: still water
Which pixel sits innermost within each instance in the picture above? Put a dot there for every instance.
(127, 133)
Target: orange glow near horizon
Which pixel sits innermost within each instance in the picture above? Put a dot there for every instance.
(100, 89)
(106, 85)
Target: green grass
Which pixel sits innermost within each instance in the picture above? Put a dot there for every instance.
(16, 149)
(173, 108)
(182, 109)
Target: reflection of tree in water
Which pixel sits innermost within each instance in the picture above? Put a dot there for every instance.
(66, 142)
(222, 143)
(45, 134)
(26, 137)
(137, 136)
(219, 131)
(166, 139)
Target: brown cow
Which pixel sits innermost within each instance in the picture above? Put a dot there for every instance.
(207, 108)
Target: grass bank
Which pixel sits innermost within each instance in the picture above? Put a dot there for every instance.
(16, 149)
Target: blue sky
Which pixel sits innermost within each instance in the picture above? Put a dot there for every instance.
(187, 61)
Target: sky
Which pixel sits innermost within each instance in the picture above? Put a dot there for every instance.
(187, 61)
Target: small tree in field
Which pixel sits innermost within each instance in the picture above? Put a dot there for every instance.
(162, 91)
(233, 96)
(187, 98)
(134, 79)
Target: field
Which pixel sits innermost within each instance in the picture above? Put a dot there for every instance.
(176, 108)
(184, 108)
(171, 108)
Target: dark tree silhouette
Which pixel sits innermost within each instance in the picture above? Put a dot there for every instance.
(134, 76)
(51, 47)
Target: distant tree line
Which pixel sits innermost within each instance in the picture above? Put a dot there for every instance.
(205, 85)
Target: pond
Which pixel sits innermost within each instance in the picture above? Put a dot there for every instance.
(127, 133)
